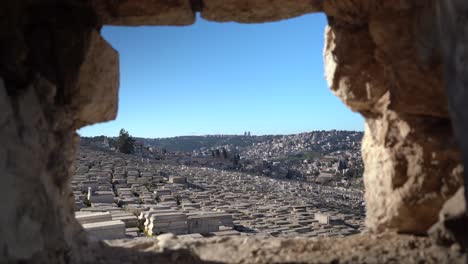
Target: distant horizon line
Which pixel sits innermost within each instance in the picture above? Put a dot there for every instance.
(205, 135)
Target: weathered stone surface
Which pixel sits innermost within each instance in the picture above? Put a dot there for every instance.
(415, 86)
(257, 11)
(363, 63)
(35, 205)
(145, 12)
(411, 169)
(411, 160)
(359, 12)
(85, 218)
(105, 230)
(364, 248)
(37, 129)
(350, 69)
(97, 89)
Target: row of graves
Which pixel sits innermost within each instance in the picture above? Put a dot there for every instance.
(268, 207)
(120, 196)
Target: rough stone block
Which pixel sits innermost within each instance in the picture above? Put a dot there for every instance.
(145, 12)
(168, 216)
(129, 220)
(255, 11)
(97, 88)
(177, 179)
(322, 218)
(208, 223)
(106, 230)
(408, 181)
(86, 218)
(411, 164)
(102, 197)
(162, 192)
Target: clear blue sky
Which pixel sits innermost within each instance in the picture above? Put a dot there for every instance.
(224, 78)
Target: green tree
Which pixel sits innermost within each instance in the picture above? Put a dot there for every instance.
(125, 142)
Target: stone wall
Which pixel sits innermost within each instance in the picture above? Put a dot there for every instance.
(57, 74)
(412, 164)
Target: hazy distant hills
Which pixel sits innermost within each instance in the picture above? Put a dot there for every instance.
(332, 138)
(190, 143)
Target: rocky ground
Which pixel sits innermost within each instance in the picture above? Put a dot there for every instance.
(361, 248)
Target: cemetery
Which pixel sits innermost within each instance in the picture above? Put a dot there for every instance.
(123, 196)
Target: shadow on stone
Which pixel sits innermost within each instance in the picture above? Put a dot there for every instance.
(126, 251)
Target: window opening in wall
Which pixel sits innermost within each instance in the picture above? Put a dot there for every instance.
(223, 129)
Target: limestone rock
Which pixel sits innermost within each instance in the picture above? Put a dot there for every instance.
(415, 87)
(363, 63)
(257, 11)
(167, 241)
(144, 12)
(412, 164)
(35, 204)
(350, 69)
(363, 248)
(96, 95)
(412, 167)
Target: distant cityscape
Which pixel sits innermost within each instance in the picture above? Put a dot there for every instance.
(222, 185)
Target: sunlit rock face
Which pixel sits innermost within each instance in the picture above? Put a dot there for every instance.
(97, 88)
(412, 164)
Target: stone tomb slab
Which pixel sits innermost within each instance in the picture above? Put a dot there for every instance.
(105, 230)
(86, 218)
(322, 218)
